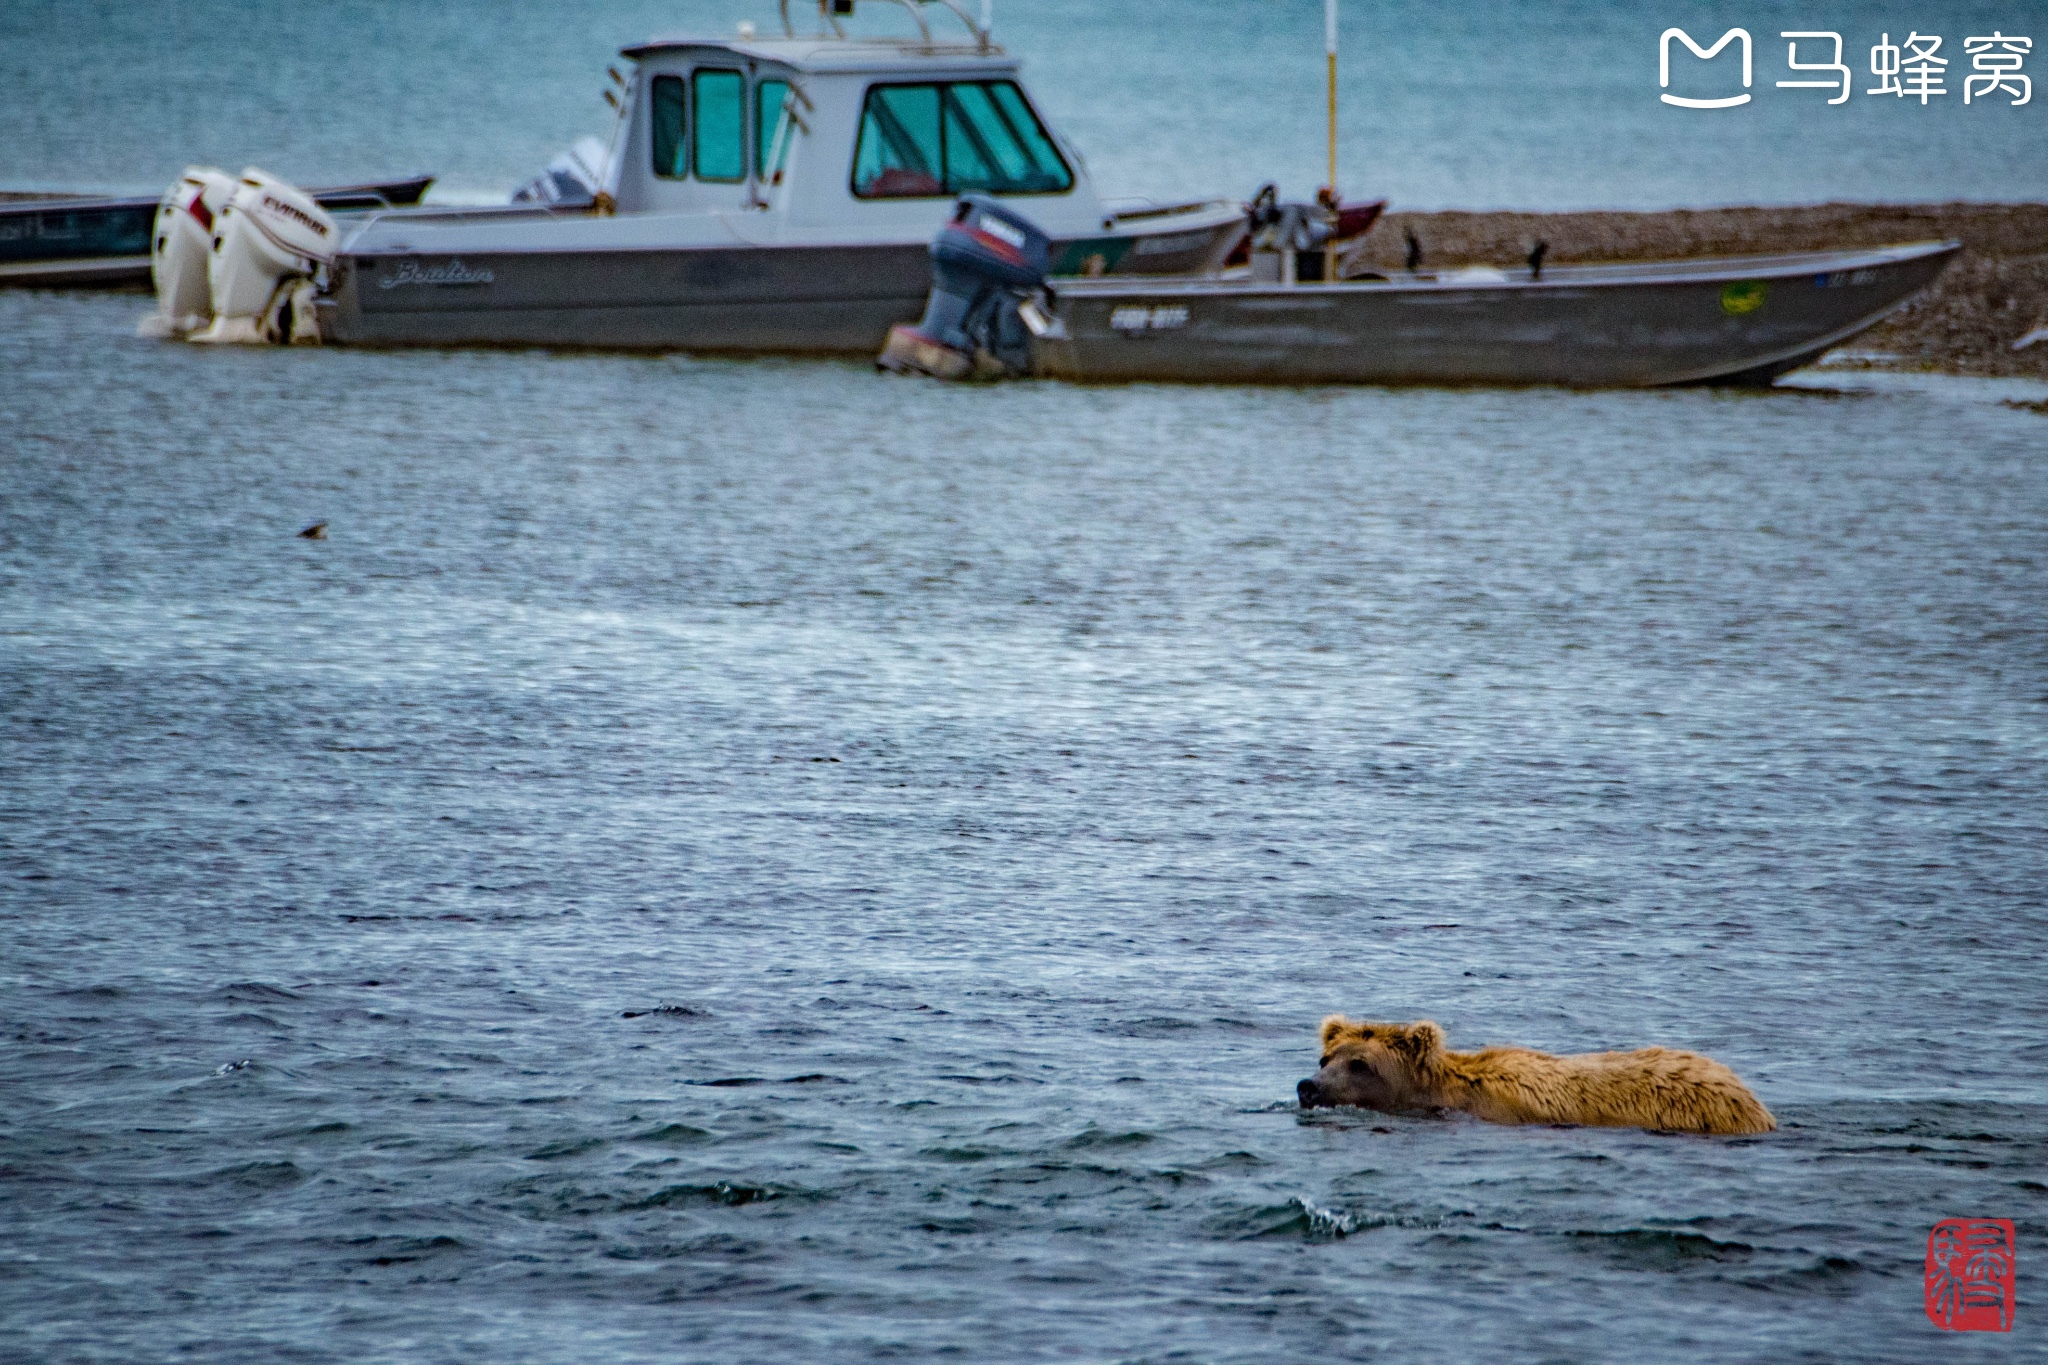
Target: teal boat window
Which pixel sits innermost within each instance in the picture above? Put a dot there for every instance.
(922, 141)
(995, 144)
(1041, 163)
(717, 146)
(666, 126)
(899, 155)
(771, 130)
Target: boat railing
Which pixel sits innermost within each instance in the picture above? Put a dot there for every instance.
(830, 10)
(1139, 212)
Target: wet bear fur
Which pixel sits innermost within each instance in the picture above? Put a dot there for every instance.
(1397, 1067)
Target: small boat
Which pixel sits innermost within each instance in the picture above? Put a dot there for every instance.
(758, 194)
(1289, 317)
(1731, 321)
(1285, 320)
(105, 241)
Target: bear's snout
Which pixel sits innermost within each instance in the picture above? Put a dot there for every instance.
(1309, 1093)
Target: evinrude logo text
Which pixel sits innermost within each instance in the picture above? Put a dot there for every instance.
(455, 272)
(295, 213)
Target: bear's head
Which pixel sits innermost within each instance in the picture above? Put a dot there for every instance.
(1390, 1067)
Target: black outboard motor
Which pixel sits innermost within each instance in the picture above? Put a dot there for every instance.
(1296, 232)
(989, 294)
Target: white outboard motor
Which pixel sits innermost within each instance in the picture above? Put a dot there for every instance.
(267, 243)
(181, 244)
(573, 179)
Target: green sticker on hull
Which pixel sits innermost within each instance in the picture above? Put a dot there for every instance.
(1744, 297)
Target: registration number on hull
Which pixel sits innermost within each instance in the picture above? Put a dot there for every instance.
(1148, 319)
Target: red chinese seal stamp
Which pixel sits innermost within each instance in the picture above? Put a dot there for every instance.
(1971, 1273)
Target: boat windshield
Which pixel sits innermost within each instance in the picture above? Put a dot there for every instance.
(928, 140)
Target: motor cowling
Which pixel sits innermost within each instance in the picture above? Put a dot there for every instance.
(572, 180)
(1287, 239)
(989, 267)
(267, 244)
(181, 244)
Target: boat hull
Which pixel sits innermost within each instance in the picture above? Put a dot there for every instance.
(708, 299)
(840, 298)
(1738, 320)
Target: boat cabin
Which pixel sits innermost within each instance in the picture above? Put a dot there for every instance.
(837, 133)
(758, 194)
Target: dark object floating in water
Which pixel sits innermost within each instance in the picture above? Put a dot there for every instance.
(672, 1011)
(81, 241)
(317, 531)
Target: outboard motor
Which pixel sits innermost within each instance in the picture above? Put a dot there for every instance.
(181, 244)
(988, 298)
(267, 243)
(1287, 239)
(572, 180)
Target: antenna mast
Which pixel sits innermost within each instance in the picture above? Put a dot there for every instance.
(1330, 50)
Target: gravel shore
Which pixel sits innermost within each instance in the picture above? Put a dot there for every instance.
(1995, 293)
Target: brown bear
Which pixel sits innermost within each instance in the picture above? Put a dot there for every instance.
(1393, 1067)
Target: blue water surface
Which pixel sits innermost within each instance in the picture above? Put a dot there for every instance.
(759, 860)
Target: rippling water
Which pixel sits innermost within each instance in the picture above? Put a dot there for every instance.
(760, 860)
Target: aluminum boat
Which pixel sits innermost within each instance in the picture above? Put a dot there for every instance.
(760, 194)
(1731, 320)
(994, 313)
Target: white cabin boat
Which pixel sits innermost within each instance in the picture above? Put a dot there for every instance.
(760, 194)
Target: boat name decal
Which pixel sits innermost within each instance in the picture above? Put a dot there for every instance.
(1841, 279)
(1179, 241)
(455, 272)
(1148, 319)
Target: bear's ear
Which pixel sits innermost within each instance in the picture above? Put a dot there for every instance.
(1419, 1040)
(1335, 1027)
